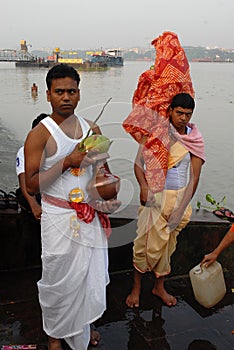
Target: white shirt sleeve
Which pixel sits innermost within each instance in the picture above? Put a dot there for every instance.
(20, 162)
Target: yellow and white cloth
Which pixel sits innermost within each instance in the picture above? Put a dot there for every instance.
(155, 243)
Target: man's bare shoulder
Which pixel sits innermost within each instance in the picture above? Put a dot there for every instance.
(38, 134)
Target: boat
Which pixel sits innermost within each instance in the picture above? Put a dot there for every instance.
(212, 59)
(81, 65)
(95, 60)
(23, 58)
(113, 57)
(78, 64)
(70, 58)
(33, 63)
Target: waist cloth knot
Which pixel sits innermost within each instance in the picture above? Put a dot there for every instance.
(84, 211)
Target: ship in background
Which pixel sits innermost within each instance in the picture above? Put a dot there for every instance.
(72, 58)
(23, 58)
(212, 59)
(95, 60)
(112, 58)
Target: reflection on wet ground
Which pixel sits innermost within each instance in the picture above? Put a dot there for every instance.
(152, 326)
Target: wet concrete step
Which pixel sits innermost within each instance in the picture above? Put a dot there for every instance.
(152, 326)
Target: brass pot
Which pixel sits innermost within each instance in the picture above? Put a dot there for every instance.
(103, 186)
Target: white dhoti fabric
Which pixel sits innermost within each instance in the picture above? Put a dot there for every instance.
(72, 290)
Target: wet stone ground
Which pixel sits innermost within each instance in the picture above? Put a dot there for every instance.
(152, 326)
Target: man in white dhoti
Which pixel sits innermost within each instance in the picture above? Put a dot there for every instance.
(74, 235)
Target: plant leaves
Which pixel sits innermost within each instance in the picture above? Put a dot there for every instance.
(210, 199)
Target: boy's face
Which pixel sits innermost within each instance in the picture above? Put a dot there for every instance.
(180, 117)
(64, 96)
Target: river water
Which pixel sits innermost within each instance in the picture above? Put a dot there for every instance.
(214, 115)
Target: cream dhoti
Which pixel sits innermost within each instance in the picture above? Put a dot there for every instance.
(155, 244)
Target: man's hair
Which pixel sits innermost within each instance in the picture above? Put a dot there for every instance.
(61, 71)
(183, 100)
(201, 344)
(38, 119)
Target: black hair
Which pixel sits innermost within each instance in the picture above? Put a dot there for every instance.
(61, 71)
(201, 344)
(183, 100)
(38, 119)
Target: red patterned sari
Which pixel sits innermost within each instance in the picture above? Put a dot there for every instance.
(148, 121)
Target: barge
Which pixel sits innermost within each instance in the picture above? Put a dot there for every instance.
(112, 58)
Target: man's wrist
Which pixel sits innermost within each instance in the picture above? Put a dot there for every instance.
(65, 164)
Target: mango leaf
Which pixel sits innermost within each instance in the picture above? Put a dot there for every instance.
(210, 199)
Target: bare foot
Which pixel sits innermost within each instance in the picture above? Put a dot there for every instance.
(133, 299)
(54, 344)
(168, 299)
(94, 336)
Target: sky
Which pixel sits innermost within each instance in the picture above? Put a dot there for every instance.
(90, 24)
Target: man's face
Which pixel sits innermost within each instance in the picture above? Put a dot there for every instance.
(180, 117)
(64, 96)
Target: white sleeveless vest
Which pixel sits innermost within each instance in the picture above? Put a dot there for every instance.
(61, 187)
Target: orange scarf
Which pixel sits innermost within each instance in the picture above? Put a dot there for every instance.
(148, 121)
